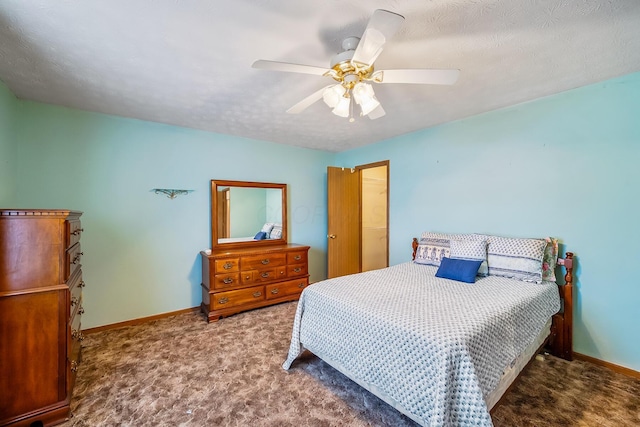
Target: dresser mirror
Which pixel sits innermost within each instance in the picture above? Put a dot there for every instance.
(246, 214)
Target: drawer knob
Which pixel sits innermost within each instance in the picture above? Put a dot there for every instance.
(297, 257)
(227, 280)
(301, 285)
(223, 300)
(257, 294)
(265, 275)
(74, 301)
(74, 366)
(275, 291)
(265, 261)
(77, 258)
(78, 231)
(81, 310)
(82, 284)
(77, 335)
(227, 265)
(297, 270)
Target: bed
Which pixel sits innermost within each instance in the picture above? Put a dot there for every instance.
(440, 351)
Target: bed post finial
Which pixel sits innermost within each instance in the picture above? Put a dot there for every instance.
(568, 264)
(414, 245)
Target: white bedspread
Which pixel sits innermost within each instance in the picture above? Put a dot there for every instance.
(431, 347)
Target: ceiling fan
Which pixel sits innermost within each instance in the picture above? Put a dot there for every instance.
(353, 70)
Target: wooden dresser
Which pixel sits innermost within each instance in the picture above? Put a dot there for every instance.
(40, 309)
(236, 280)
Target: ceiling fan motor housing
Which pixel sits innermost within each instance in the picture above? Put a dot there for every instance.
(343, 70)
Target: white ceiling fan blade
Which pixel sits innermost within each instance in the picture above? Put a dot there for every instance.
(381, 27)
(289, 67)
(420, 76)
(377, 113)
(308, 101)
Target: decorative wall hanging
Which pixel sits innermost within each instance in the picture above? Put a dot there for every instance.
(170, 192)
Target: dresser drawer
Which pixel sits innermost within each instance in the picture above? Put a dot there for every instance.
(259, 262)
(73, 229)
(228, 299)
(76, 332)
(74, 255)
(226, 265)
(296, 270)
(270, 274)
(290, 287)
(75, 281)
(223, 281)
(299, 257)
(76, 301)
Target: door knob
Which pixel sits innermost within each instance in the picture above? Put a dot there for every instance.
(331, 236)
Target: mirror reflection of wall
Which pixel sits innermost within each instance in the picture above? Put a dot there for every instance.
(248, 210)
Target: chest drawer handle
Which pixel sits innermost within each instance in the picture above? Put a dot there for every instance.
(265, 275)
(81, 310)
(81, 284)
(74, 301)
(74, 366)
(223, 300)
(227, 280)
(275, 291)
(301, 285)
(77, 258)
(78, 231)
(265, 261)
(227, 265)
(297, 270)
(297, 257)
(257, 294)
(77, 335)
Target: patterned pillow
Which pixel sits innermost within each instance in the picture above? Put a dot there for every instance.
(432, 247)
(550, 259)
(475, 250)
(276, 232)
(431, 251)
(267, 227)
(519, 259)
(458, 236)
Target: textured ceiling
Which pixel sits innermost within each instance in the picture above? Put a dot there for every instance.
(188, 63)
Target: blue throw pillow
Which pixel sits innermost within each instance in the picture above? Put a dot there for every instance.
(462, 270)
(261, 235)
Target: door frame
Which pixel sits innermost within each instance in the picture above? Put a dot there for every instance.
(370, 166)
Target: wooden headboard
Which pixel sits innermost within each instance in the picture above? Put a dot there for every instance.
(561, 338)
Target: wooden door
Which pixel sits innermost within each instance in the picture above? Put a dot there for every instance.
(343, 222)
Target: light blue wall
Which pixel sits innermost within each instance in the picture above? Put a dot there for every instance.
(142, 249)
(7, 117)
(565, 166)
(247, 211)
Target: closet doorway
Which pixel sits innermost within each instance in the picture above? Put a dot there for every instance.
(358, 218)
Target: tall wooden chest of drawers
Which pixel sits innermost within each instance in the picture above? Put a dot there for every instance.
(242, 279)
(40, 309)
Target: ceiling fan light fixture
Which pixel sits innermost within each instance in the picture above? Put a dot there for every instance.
(369, 105)
(332, 95)
(365, 97)
(342, 109)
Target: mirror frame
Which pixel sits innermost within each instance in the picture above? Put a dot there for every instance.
(215, 183)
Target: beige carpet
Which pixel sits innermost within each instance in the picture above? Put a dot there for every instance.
(182, 371)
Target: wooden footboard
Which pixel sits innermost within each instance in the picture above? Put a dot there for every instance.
(561, 337)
